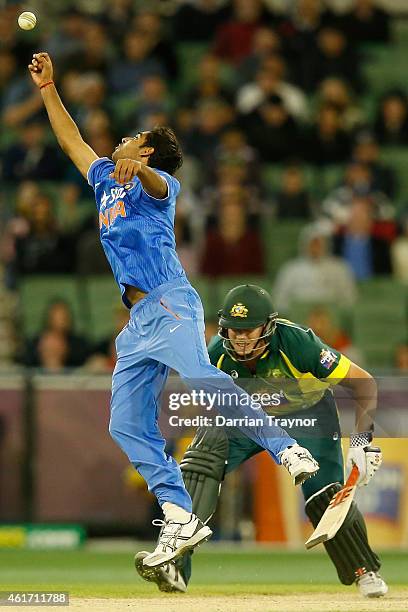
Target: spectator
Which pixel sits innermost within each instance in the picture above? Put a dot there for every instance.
(328, 143)
(73, 212)
(8, 66)
(367, 151)
(293, 201)
(161, 48)
(314, 276)
(210, 86)
(89, 255)
(67, 40)
(231, 184)
(366, 254)
(272, 131)
(234, 38)
(391, 126)
(136, 63)
(270, 81)
(20, 112)
(367, 23)
(91, 97)
(321, 320)
(58, 322)
(401, 358)
(358, 181)
(232, 247)
(335, 92)
(43, 250)
(31, 157)
(52, 352)
(399, 254)
(334, 57)
(197, 22)
(95, 52)
(234, 150)
(118, 17)
(211, 119)
(186, 250)
(153, 98)
(299, 33)
(266, 43)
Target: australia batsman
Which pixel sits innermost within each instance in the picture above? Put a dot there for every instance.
(166, 326)
(254, 343)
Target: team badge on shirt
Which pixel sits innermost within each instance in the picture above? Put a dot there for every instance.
(327, 358)
(239, 310)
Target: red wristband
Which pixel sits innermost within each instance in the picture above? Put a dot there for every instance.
(45, 84)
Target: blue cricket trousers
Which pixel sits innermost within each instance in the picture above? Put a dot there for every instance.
(166, 330)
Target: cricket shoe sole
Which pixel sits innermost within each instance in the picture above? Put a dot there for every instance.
(167, 577)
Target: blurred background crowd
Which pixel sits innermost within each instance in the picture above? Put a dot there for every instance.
(293, 117)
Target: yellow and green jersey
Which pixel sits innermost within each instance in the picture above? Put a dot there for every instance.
(296, 367)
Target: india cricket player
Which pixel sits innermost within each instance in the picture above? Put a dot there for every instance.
(166, 327)
(291, 360)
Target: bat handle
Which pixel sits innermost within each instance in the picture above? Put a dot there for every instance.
(353, 477)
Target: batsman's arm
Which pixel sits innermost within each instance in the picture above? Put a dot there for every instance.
(364, 390)
(64, 127)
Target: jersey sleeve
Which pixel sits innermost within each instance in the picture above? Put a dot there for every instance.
(99, 171)
(173, 188)
(215, 349)
(307, 353)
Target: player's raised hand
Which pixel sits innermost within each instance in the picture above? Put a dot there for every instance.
(41, 69)
(125, 170)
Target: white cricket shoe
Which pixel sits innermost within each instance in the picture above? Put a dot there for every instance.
(167, 577)
(175, 539)
(372, 585)
(299, 463)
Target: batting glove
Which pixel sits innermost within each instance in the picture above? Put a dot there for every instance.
(367, 458)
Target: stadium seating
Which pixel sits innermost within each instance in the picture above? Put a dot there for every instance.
(380, 320)
(281, 239)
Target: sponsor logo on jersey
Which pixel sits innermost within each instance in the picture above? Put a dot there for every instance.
(327, 358)
(109, 214)
(239, 310)
(234, 374)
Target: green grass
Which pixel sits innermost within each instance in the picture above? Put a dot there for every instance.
(101, 574)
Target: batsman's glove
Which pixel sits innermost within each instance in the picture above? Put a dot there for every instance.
(367, 458)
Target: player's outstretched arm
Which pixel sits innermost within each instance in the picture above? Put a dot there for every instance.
(65, 129)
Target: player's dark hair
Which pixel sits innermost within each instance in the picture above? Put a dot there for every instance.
(167, 154)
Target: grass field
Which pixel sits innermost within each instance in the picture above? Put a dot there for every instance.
(235, 580)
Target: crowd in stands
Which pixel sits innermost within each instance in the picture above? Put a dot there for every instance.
(251, 93)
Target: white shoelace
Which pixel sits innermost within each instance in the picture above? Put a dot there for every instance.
(165, 539)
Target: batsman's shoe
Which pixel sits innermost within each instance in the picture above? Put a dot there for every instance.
(175, 539)
(299, 463)
(370, 584)
(167, 577)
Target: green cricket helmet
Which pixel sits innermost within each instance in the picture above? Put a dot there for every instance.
(247, 307)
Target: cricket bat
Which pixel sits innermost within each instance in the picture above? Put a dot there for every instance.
(336, 511)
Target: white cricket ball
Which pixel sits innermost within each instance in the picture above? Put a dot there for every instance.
(27, 20)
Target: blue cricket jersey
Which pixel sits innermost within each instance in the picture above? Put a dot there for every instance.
(136, 230)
